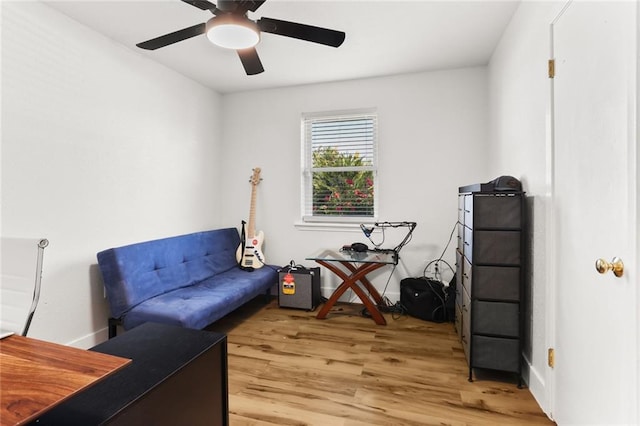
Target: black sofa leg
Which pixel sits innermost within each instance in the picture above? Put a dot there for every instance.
(113, 327)
(267, 296)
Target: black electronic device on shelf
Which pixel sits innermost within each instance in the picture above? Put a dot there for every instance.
(357, 247)
(500, 184)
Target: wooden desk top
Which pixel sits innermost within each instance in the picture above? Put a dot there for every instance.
(36, 375)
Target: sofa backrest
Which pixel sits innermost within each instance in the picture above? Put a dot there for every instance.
(137, 272)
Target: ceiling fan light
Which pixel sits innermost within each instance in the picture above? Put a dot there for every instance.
(232, 33)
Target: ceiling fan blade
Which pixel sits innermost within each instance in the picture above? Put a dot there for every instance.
(174, 37)
(251, 5)
(202, 4)
(239, 7)
(250, 61)
(301, 31)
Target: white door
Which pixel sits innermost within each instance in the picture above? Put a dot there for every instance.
(595, 379)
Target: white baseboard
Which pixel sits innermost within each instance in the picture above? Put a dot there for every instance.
(90, 340)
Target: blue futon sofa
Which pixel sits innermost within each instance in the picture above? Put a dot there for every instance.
(190, 280)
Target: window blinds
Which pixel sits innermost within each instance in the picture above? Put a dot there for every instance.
(340, 166)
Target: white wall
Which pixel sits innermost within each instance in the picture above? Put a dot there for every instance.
(100, 147)
(519, 99)
(432, 139)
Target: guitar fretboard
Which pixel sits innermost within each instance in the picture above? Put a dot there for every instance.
(255, 180)
(251, 229)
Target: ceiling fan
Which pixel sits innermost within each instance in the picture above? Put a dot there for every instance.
(231, 28)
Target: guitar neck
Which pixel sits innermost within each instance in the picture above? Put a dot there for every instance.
(251, 229)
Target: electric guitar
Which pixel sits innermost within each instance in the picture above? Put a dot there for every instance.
(249, 253)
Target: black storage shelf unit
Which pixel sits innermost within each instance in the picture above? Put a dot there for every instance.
(490, 261)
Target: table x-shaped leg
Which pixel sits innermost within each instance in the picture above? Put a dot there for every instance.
(350, 281)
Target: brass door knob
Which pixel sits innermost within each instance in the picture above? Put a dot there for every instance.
(615, 265)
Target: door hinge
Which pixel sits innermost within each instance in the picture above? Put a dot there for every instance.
(551, 357)
(552, 68)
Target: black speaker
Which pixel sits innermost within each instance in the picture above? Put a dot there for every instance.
(299, 288)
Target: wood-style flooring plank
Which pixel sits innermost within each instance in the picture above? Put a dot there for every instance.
(288, 368)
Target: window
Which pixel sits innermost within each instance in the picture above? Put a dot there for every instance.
(339, 166)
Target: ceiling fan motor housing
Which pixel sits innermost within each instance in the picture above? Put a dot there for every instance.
(232, 31)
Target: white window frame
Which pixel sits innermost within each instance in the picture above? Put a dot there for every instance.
(307, 170)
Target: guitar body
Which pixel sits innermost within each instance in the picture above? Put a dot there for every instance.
(251, 256)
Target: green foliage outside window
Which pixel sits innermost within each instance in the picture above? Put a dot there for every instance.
(341, 193)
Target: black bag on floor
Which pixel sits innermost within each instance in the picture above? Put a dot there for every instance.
(424, 298)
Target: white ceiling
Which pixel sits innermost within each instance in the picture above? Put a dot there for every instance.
(383, 38)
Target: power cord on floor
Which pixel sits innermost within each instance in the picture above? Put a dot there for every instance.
(396, 310)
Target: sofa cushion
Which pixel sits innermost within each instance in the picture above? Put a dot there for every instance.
(201, 304)
(135, 273)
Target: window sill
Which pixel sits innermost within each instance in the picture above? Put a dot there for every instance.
(328, 226)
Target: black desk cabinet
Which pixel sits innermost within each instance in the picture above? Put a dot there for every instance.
(490, 279)
(178, 377)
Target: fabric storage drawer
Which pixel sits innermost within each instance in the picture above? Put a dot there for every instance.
(496, 318)
(468, 211)
(466, 275)
(468, 244)
(459, 267)
(466, 345)
(498, 283)
(496, 247)
(466, 323)
(459, 292)
(495, 353)
(497, 211)
(468, 208)
(458, 323)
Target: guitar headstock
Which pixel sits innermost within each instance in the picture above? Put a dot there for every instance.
(255, 178)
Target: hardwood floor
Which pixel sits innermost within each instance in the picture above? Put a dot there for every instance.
(288, 368)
